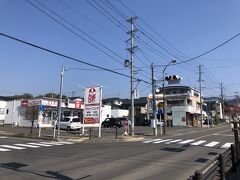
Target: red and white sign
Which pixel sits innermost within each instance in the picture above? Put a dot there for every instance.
(78, 104)
(92, 104)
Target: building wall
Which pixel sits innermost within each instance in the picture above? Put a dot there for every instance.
(3, 105)
(179, 117)
(105, 112)
(120, 112)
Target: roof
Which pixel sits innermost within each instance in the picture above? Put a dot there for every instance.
(178, 87)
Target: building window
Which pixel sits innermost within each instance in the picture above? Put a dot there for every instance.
(2, 110)
(189, 102)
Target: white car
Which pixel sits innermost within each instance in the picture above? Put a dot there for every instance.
(70, 123)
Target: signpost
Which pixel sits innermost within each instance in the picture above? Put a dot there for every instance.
(92, 107)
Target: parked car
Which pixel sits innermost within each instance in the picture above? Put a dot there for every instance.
(112, 122)
(70, 123)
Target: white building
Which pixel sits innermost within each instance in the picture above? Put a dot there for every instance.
(3, 105)
(42, 112)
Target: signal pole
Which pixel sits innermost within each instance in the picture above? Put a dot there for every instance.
(222, 98)
(200, 90)
(132, 50)
(154, 100)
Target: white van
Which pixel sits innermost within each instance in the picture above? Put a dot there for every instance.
(70, 123)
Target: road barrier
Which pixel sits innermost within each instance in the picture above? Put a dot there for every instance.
(226, 162)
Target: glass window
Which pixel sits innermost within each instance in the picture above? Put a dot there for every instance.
(75, 120)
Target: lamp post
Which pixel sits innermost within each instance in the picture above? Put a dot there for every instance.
(163, 90)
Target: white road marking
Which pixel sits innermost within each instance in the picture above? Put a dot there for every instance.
(226, 145)
(3, 137)
(174, 141)
(12, 147)
(27, 145)
(161, 141)
(152, 140)
(66, 142)
(40, 144)
(3, 149)
(198, 143)
(211, 144)
(186, 141)
(52, 143)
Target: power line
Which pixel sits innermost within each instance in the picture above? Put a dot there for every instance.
(68, 57)
(74, 31)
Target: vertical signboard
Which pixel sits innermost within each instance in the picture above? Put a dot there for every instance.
(92, 106)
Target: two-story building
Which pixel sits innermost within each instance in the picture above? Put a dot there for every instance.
(182, 105)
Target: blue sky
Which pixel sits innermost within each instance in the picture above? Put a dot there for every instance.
(183, 27)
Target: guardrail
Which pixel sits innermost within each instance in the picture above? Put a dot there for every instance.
(224, 163)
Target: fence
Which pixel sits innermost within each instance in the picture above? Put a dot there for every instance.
(224, 163)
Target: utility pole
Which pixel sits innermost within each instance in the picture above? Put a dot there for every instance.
(60, 102)
(236, 95)
(154, 100)
(200, 90)
(222, 98)
(132, 50)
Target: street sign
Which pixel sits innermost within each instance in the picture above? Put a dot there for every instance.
(160, 111)
(42, 108)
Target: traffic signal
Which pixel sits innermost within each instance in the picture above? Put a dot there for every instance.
(174, 79)
(67, 102)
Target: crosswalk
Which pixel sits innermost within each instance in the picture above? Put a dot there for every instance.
(18, 146)
(192, 142)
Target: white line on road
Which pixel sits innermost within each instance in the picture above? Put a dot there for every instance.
(186, 141)
(12, 147)
(226, 145)
(53, 143)
(198, 143)
(174, 141)
(40, 144)
(3, 149)
(66, 142)
(27, 145)
(152, 140)
(161, 141)
(211, 144)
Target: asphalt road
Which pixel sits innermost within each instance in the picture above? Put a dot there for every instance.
(171, 157)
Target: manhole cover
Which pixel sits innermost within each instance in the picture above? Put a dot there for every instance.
(202, 160)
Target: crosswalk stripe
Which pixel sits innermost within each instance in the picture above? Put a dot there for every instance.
(12, 147)
(152, 140)
(27, 145)
(40, 144)
(198, 143)
(186, 141)
(174, 141)
(66, 142)
(3, 149)
(52, 143)
(211, 144)
(161, 141)
(3, 137)
(226, 145)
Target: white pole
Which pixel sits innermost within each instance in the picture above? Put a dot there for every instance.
(60, 102)
(100, 106)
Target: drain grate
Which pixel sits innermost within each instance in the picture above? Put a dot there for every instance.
(173, 149)
(202, 160)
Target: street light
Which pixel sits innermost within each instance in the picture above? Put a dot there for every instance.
(163, 90)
